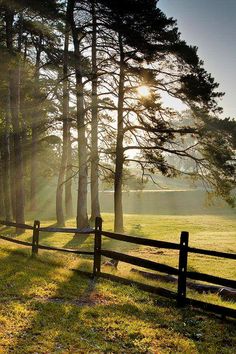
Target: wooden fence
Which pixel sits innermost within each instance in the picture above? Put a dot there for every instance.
(182, 271)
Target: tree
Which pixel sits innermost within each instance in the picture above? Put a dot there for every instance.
(65, 122)
(168, 65)
(95, 206)
(14, 91)
(77, 35)
(84, 95)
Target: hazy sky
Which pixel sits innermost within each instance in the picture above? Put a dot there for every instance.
(211, 26)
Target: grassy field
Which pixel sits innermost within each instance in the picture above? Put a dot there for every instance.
(45, 307)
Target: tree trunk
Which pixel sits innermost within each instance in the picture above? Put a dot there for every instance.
(6, 167)
(118, 209)
(95, 206)
(33, 167)
(82, 216)
(12, 177)
(18, 173)
(68, 184)
(34, 134)
(14, 88)
(2, 206)
(65, 113)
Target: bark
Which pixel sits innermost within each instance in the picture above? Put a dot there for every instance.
(12, 177)
(34, 134)
(68, 184)
(2, 207)
(18, 166)
(23, 112)
(118, 208)
(95, 205)
(82, 216)
(6, 167)
(9, 17)
(14, 88)
(65, 113)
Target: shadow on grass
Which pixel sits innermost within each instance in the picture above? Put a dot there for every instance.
(63, 312)
(79, 240)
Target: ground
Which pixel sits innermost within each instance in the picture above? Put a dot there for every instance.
(45, 307)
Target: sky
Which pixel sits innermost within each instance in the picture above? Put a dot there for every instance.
(211, 26)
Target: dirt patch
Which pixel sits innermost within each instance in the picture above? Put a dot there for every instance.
(93, 299)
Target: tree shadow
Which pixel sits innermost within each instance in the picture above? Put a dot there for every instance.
(79, 316)
(79, 240)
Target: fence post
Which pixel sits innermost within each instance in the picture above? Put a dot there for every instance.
(183, 259)
(97, 247)
(35, 240)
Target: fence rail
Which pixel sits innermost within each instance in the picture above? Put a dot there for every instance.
(140, 262)
(20, 226)
(141, 241)
(98, 252)
(83, 231)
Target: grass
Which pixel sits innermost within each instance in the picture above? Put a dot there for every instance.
(47, 308)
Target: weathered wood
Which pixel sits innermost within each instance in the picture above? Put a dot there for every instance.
(221, 310)
(50, 248)
(68, 250)
(183, 258)
(10, 239)
(18, 225)
(139, 262)
(67, 230)
(212, 279)
(97, 246)
(35, 238)
(144, 287)
(141, 240)
(228, 294)
(200, 288)
(212, 253)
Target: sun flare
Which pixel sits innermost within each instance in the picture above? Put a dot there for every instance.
(143, 91)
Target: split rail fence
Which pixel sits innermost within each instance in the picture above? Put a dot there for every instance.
(181, 272)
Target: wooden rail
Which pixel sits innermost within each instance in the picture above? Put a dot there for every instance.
(36, 233)
(83, 231)
(212, 279)
(98, 252)
(20, 226)
(212, 253)
(43, 247)
(19, 242)
(140, 262)
(182, 271)
(141, 241)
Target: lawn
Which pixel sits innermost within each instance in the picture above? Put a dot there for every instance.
(45, 307)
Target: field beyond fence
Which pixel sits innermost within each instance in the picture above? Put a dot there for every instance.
(181, 272)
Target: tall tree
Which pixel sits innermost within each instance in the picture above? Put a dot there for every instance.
(135, 23)
(95, 206)
(14, 90)
(66, 136)
(152, 53)
(78, 35)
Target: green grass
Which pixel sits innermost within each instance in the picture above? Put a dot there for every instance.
(47, 308)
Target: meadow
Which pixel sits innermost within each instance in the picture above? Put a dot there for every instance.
(47, 307)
